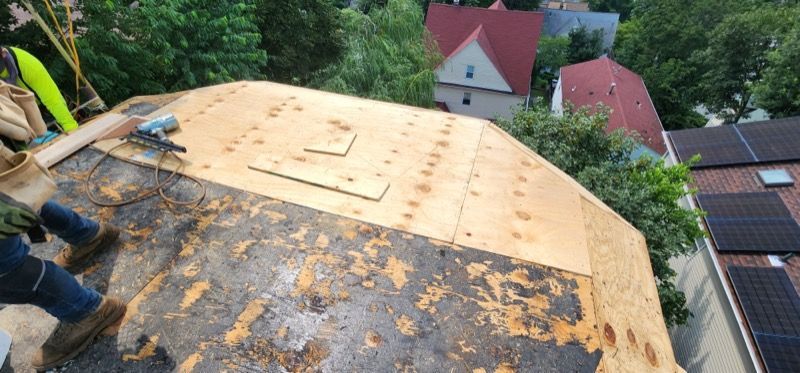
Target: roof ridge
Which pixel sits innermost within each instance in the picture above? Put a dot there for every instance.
(616, 94)
(484, 9)
(490, 53)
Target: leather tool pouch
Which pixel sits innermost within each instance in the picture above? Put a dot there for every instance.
(24, 179)
(20, 118)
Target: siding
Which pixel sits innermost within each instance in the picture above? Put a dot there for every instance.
(454, 70)
(711, 341)
(487, 105)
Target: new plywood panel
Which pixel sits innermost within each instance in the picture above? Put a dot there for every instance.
(633, 334)
(339, 180)
(426, 156)
(336, 146)
(517, 207)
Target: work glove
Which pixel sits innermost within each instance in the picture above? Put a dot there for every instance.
(15, 218)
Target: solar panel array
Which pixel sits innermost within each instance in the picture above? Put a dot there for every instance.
(750, 222)
(765, 141)
(772, 308)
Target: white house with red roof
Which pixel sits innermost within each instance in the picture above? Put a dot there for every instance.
(489, 55)
(605, 81)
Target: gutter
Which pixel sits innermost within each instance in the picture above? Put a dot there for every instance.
(751, 349)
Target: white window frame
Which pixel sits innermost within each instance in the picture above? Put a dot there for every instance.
(470, 72)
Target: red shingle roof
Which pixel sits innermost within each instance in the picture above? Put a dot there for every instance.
(589, 83)
(498, 5)
(512, 35)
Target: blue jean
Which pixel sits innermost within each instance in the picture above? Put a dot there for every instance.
(25, 279)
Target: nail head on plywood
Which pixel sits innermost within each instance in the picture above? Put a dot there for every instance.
(522, 179)
(608, 332)
(443, 143)
(523, 215)
(426, 172)
(526, 163)
(631, 337)
(413, 203)
(516, 235)
(424, 188)
(519, 194)
(651, 354)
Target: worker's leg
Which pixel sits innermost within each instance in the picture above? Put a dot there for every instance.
(82, 313)
(67, 224)
(85, 237)
(25, 279)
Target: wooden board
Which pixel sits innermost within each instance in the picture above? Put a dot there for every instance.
(633, 334)
(336, 146)
(85, 135)
(517, 207)
(124, 128)
(334, 179)
(426, 155)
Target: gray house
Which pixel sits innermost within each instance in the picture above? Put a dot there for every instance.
(560, 22)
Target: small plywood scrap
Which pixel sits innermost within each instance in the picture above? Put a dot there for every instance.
(339, 145)
(339, 180)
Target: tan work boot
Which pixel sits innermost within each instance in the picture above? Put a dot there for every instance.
(71, 257)
(70, 339)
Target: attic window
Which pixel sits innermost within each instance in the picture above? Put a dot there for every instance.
(470, 71)
(775, 178)
(467, 100)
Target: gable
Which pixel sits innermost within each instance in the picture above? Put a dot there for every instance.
(486, 75)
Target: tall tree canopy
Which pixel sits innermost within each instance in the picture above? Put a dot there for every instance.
(584, 45)
(779, 91)
(644, 192)
(623, 7)
(389, 55)
(306, 37)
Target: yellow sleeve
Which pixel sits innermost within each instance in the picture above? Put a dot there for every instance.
(36, 77)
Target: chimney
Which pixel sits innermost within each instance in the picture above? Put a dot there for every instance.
(611, 90)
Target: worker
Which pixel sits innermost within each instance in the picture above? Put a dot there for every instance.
(83, 313)
(22, 69)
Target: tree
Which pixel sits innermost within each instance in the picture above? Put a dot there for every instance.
(551, 55)
(623, 7)
(305, 38)
(644, 192)
(584, 45)
(510, 4)
(658, 43)
(202, 42)
(779, 91)
(735, 57)
(389, 55)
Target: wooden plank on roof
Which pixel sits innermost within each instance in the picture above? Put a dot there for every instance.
(339, 180)
(338, 145)
(85, 135)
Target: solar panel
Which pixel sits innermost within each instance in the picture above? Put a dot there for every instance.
(750, 222)
(781, 354)
(773, 140)
(716, 146)
(771, 305)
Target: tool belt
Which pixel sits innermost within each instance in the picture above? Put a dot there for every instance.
(20, 118)
(24, 179)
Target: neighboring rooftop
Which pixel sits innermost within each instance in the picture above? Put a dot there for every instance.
(508, 37)
(561, 22)
(479, 255)
(574, 5)
(605, 81)
(753, 219)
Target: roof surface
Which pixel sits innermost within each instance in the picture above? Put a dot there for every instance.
(513, 35)
(480, 253)
(560, 22)
(589, 83)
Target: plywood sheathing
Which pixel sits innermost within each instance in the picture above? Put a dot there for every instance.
(338, 145)
(633, 334)
(517, 207)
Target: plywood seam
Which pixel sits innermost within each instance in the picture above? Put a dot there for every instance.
(466, 190)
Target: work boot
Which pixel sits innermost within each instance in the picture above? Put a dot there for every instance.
(71, 257)
(70, 339)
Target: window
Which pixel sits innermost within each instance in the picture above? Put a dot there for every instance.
(775, 178)
(467, 98)
(470, 71)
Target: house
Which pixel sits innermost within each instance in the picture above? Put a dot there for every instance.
(605, 81)
(559, 22)
(473, 253)
(574, 5)
(489, 56)
(742, 282)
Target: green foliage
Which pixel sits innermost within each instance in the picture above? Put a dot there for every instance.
(584, 45)
(202, 42)
(306, 37)
(779, 90)
(551, 54)
(738, 47)
(623, 7)
(644, 192)
(389, 56)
